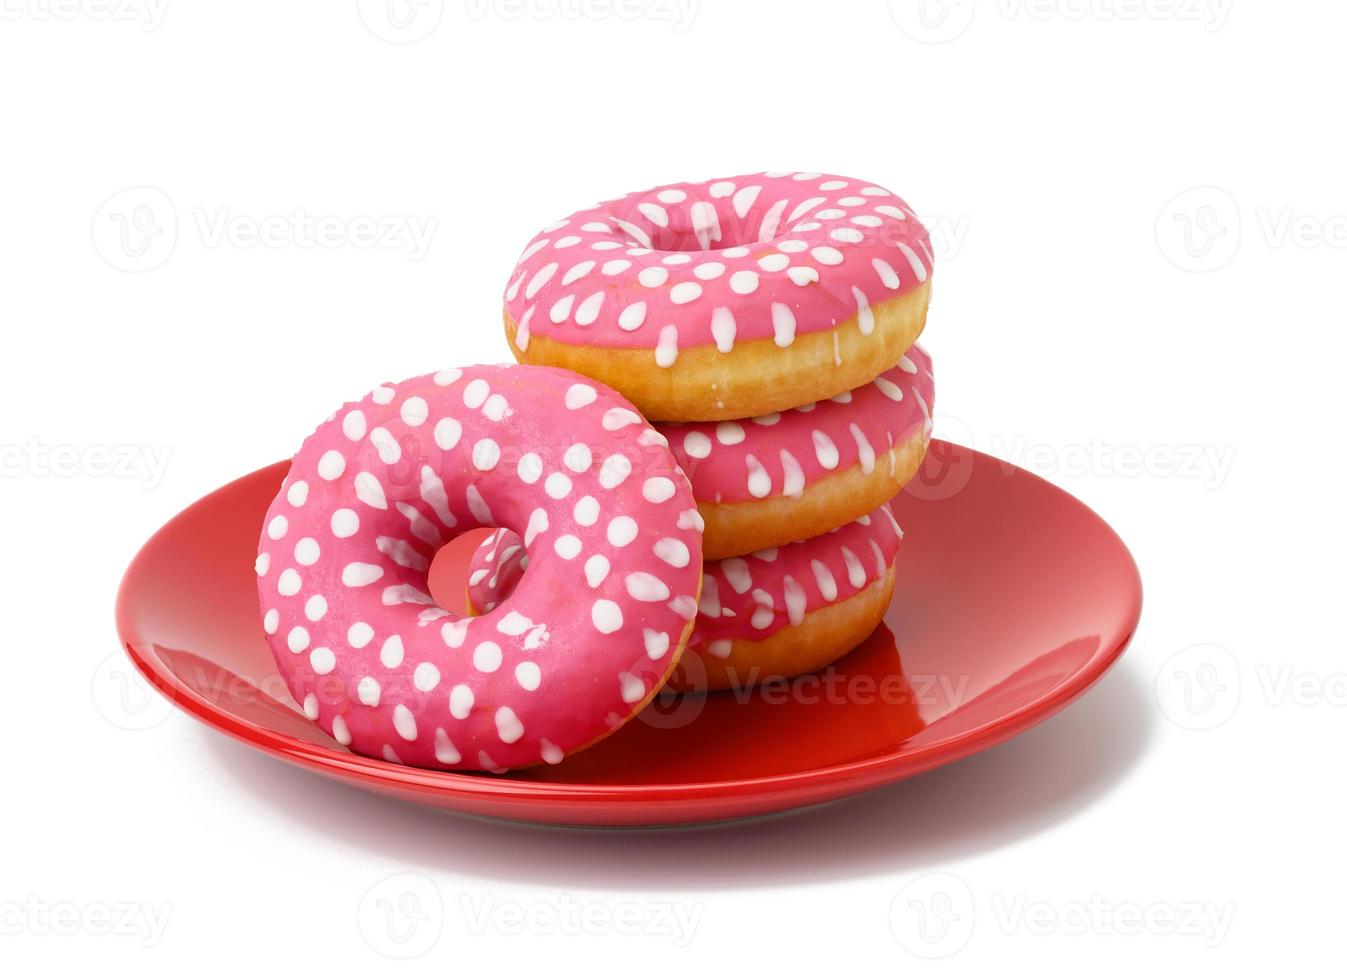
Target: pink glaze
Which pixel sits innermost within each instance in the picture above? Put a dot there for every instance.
(718, 263)
(781, 454)
(565, 463)
(753, 596)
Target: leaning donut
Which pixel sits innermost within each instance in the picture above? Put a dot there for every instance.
(564, 463)
(729, 298)
(777, 613)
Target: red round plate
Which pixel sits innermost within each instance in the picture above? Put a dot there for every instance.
(1012, 598)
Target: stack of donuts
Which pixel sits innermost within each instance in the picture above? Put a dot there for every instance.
(719, 391)
(767, 325)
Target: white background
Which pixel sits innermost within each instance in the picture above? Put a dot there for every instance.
(1141, 231)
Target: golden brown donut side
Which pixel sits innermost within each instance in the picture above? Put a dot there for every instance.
(754, 378)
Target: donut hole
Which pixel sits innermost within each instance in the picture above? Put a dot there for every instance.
(679, 232)
(447, 579)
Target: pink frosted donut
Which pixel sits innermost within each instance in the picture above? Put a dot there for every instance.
(728, 298)
(588, 635)
(795, 474)
(776, 613)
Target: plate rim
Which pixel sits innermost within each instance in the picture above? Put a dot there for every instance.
(852, 776)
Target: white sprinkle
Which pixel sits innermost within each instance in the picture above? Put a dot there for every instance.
(586, 511)
(596, 570)
(262, 564)
(289, 583)
(487, 656)
(475, 392)
(633, 689)
(578, 271)
(744, 281)
(486, 454)
(737, 574)
(685, 292)
(890, 390)
(615, 469)
(508, 726)
(588, 311)
(323, 660)
(783, 324)
(709, 270)
(353, 425)
(297, 639)
(622, 531)
(632, 317)
(697, 444)
(802, 275)
(561, 309)
(793, 484)
(656, 643)
(619, 418)
(530, 468)
(744, 198)
(918, 269)
(653, 277)
(729, 433)
(311, 706)
(658, 489)
(578, 458)
(865, 317)
(446, 753)
(827, 586)
(367, 689)
(654, 212)
(644, 587)
(759, 482)
(567, 546)
(447, 433)
(855, 570)
(359, 573)
(460, 701)
(774, 262)
(387, 447)
(369, 491)
(538, 523)
(297, 494)
(721, 188)
(404, 723)
(826, 450)
(540, 279)
(426, 677)
(315, 608)
(414, 411)
(867, 452)
(826, 255)
(606, 616)
(666, 351)
(673, 552)
(382, 395)
(850, 236)
(557, 485)
(528, 674)
(331, 465)
(307, 551)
